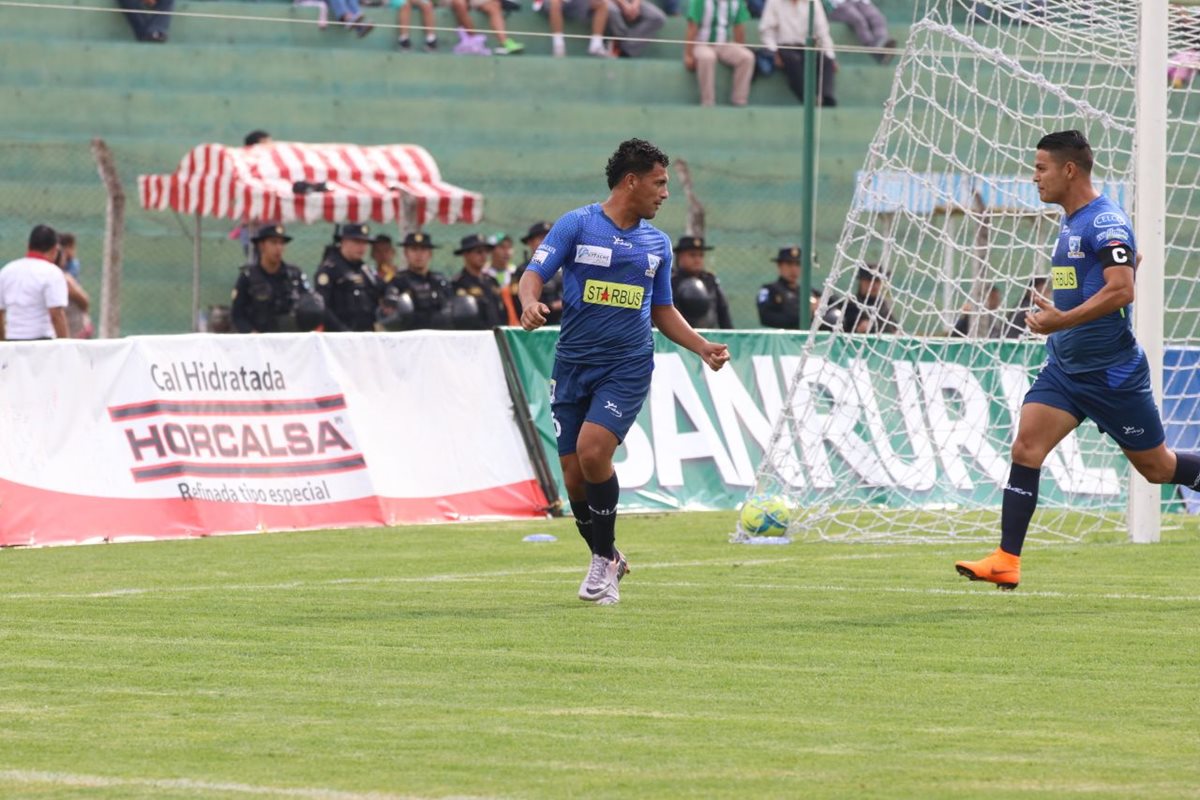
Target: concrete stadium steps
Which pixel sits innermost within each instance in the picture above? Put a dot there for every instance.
(281, 24)
(359, 74)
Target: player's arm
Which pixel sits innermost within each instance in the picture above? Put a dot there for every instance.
(529, 292)
(3, 333)
(550, 256)
(1118, 260)
(58, 319)
(672, 324)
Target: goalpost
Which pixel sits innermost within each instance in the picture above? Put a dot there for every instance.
(906, 436)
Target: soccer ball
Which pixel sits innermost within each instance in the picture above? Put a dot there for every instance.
(765, 515)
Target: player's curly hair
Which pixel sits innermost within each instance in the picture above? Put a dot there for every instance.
(634, 155)
(1068, 146)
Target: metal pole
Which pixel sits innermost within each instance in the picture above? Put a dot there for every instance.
(1150, 148)
(196, 276)
(808, 187)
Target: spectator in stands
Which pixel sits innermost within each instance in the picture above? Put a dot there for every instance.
(1016, 323)
(784, 30)
(430, 292)
(349, 13)
(149, 19)
(577, 11)
(991, 324)
(404, 17)
(350, 290)
(471, 43)
(476, 304)
(868, 311)
(68, 254)
(500, 264)
(79, 324)
(716, 31)
(257, 137)
(552, 290)
(632, 20)
(268, 289)
(698, 294)
(33, 292)
(868, 23)
(383, 253)
(779, 302)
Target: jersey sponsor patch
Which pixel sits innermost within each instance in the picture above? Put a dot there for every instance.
(1113, 234)
(621, 295)
(595, 256)
(539, 256)
(653, 261)
(1075, 247)
(1064, 278)
(1108, 219)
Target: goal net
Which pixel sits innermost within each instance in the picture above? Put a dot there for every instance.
(901, 417)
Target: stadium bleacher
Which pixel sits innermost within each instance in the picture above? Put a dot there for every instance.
(530, 132)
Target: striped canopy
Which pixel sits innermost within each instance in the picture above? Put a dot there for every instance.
(399, 182)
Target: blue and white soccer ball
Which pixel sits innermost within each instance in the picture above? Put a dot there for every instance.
(765, 515)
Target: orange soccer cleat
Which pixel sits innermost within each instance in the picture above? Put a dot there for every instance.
(1000, 568)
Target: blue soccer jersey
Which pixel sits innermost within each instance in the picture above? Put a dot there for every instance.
(1077, 273)
(611, 277)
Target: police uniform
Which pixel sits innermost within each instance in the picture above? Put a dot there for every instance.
(351, 293)
(265, 302)
(430, 293)
(552, 290)
(716, 311)
(483, 288)
(779, 303)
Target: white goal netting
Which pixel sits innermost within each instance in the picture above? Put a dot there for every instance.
(901, 417)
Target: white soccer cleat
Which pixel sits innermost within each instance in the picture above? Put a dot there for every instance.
(595, 583)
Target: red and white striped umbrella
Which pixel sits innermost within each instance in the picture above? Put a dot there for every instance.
(382, 183)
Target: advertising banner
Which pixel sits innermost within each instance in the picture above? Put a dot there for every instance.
(160, 437)
(907, 422)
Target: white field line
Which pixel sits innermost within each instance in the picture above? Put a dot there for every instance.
(31, 777)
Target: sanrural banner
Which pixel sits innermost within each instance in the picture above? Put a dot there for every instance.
(701, 435)
(161, 437)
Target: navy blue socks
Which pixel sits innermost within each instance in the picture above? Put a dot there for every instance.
(602, 503)
(1020, 499)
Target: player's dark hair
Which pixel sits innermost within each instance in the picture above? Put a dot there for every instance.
(1068, 146)
(634, 155)
(254, 137)
(42, 239)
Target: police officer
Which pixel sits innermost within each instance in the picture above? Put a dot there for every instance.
(267, 290)
(552, 290)
(472, 284)
(350, 290)
(779, 301)
(430, 291)
(698, 294)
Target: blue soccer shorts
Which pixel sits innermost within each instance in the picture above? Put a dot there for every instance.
(1119, 400)
(610, 396)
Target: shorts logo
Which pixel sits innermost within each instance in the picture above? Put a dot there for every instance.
(1108, 219)
(596, 256)
(619, 242)
(621, 295)
(1074, 247)
(1132, 431)
(553, 386)
(1064, 278)
(653, 261)
(609, 405)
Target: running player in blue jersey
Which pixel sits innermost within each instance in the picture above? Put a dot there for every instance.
(1094, 368)
(616, 283)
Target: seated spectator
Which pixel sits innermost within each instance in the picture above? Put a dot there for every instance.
(784, 30)
(429, 292)
(476, 304)
(349, 13)
(404, 17)
(716, 31)
(697, 292)
(868, 311)
(577, 11)
(552, 290)
(1016, 323)
(383, 253)
(471, 43)
(779, 302)
(991, 325)
(148, 27)
(630, 21)
(868, 23)
(79, 324)
(33, 293)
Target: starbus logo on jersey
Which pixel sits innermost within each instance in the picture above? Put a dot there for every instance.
(276, 435)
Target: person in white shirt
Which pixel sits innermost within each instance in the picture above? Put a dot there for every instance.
(33, 292)
(784, 24)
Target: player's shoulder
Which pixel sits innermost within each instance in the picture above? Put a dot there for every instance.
(1103, 212)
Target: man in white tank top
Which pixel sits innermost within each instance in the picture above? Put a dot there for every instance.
(33, 292)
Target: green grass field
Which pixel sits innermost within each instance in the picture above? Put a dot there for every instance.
(456, 661)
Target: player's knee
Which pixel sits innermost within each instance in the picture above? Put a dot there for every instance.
(1156, 471)
(1027, 453)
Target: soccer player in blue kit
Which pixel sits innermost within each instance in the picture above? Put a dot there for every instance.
(616, 282)
(1094, 368)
